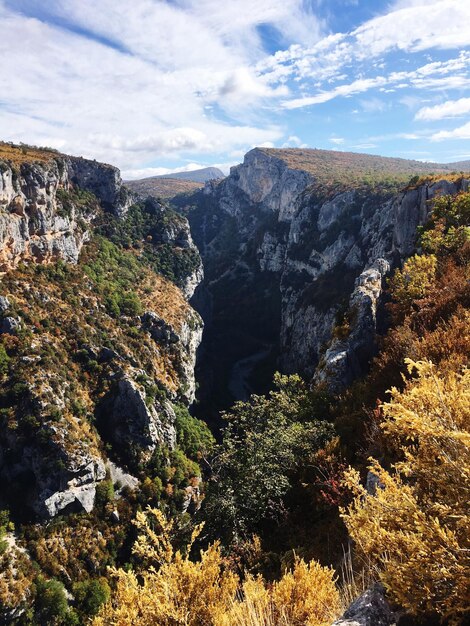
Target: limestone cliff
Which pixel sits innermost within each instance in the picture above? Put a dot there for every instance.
(96, 343)
(41, 219)
(293, 239)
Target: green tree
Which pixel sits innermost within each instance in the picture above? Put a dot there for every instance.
(267, 439)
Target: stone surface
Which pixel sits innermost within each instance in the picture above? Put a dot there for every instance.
(138, 421)
(103, 180)
(306, 254)
(33, 223)
(370, 609)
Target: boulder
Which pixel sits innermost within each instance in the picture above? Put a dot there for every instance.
(370, 609)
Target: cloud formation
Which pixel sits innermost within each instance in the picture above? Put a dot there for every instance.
(154, 83)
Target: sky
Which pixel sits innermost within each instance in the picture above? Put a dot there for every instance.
(154, 86)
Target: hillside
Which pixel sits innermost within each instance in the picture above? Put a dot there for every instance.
(170, 185)
(280, 311)
(162, 187)
(330, 166)
(198, 176)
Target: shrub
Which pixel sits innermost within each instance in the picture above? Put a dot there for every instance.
(170, 589)
(193, 435)
(4, 360)
(50, 605)
(90, 595)
(416, 528)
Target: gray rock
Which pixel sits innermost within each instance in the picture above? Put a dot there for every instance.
(160, 331)
(347, 358)
(137, 421)
(370, 609)
(4, 305)
(305, 255)
(10, 325)
(373, 483)
(103, 180)
(33, 223)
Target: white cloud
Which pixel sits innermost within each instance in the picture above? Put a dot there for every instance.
(462, 132)
(294, 142)
(373, 105)
(450, 108)
(138, 84)
(135, 86)
(357, 86)
(421, 26)
(338, 141)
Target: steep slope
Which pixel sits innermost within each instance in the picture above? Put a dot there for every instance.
(170, 185)
(96, 341)
(287, 239)
(199, 176)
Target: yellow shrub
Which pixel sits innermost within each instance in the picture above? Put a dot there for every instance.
(416, 527)
(415, 279)
(171, 590)
(180, 592)
(307, 596)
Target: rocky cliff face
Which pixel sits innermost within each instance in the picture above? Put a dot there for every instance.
(311, 250)
(40, 219)
(79, 371)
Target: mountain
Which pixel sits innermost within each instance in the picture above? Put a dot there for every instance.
(197, 176)
(169, 185)
(287, 239)
(162, 187)
(95, 316)
(123, 321)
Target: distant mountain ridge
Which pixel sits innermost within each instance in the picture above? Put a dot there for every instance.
(198, 176)
(170, 185)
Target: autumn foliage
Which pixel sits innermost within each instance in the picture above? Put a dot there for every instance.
(170, 589)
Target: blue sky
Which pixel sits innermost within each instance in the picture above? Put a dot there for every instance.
(153, 86)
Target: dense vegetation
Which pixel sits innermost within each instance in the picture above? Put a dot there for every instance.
(285, 486)
(80, 328)
(411, 529)
(158, 237)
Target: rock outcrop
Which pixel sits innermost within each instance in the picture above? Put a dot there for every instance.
(138, 421)
(101, 179)
(370, 609)
(287, 251)
(41, 219)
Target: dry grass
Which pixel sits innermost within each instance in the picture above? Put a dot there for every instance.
(163, 187)
(17, 155)
(354, 582)
(348, 167)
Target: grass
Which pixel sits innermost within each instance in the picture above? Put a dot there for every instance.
(355, 169)
(19, 154)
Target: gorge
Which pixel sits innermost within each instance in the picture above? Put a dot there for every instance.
(130, 322)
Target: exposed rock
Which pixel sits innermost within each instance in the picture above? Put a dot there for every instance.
(103, 180)
(304, 250)
(4, 305)
(35, 225)
(137, 422)
(160, 331)
(346, 358)
(59, 478)
(32, 224)
(190, 335)
(370, 609)
(192, 499)
(118, 475)
(9, 325)
(182, 344)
